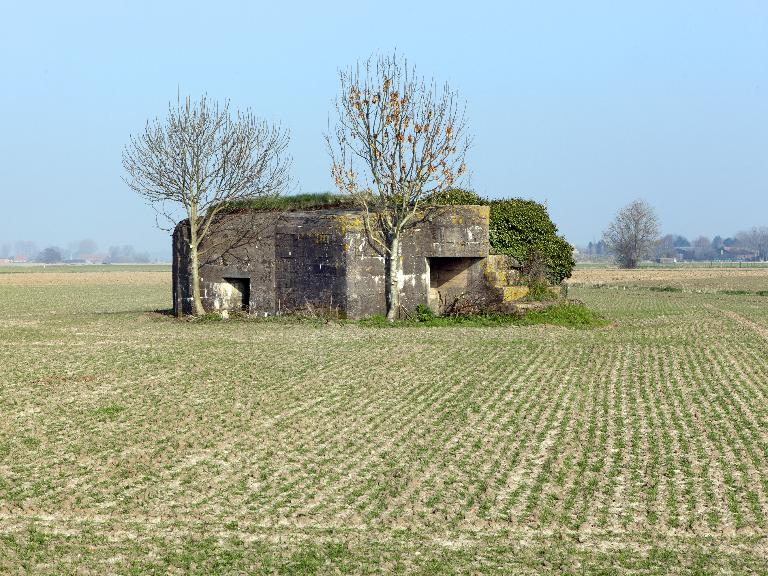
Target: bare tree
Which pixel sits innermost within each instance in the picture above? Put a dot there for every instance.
(702, 249)
(199, 159)
(665, 247)
(632, 234)
(125, 254)
(398, 139)
(756, 239)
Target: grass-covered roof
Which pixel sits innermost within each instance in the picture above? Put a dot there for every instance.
(292, 203)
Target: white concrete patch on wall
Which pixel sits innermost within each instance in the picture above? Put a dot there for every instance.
(226, 296)
(403, 278)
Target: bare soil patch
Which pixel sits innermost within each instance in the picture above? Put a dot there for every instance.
(661, 275)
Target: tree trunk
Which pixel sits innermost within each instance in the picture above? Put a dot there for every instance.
(392, 289)
(197, 303)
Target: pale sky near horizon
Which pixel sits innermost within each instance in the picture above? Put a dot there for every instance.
(582, 105)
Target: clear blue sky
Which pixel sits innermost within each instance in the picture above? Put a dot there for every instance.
(584, 105)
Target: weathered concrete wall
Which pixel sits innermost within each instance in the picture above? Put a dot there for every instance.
(180, 270)
(241, 247)
(310, 267)
(504, 279)
(323, 260)
(459, 243)
(443, 232)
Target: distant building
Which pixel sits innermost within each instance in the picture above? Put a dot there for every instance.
(738, 253)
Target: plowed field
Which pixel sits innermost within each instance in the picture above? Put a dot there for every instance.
(133, 443)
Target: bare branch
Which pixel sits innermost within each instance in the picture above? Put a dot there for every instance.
(201, 157)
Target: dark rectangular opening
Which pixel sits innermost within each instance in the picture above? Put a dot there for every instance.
(449, 278)
(449, 272)
(240, 297)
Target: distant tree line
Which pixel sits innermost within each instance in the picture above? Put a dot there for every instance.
(84, 251)
(125, 255)
(23, 249)
(746, 245)
(633, 236)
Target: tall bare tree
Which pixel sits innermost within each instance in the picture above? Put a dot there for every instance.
(756, 239)
(632, 234)
(198, 159)
(398, 139)
(702, 249)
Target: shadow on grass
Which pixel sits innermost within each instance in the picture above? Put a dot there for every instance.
(164, 312)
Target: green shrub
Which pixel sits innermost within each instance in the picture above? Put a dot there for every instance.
(568, 314)
(540, 292)
(535, 271)
(665, 289)
(520, 228)
(424, 313)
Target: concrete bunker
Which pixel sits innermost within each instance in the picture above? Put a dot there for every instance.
(322, 260)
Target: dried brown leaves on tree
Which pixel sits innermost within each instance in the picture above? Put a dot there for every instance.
(398, 139)
(198, 159)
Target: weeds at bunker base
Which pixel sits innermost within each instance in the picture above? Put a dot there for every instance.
(134, 443)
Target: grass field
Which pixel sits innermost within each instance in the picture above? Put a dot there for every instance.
(134, 443)
(70, 268)
(586, 265)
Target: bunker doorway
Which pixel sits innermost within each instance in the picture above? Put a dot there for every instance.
(449, 279)
(236, 293)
